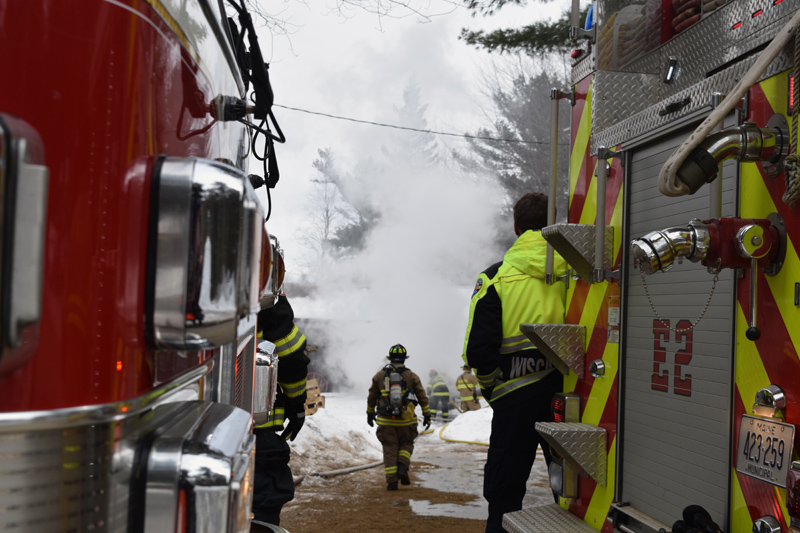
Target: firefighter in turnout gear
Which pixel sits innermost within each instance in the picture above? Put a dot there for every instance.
(274, 484)
(467, 386)
(514, 375)
(439, 394)
(394, 392)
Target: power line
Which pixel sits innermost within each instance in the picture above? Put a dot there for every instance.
(479, 137)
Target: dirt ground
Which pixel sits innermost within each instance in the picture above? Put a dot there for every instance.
(360, 502)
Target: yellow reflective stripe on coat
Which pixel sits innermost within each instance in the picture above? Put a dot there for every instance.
(504, 387)
(488, 380)
(293, 390)
(290, 343)
(276, 418)
(396, 422)
(515, 344)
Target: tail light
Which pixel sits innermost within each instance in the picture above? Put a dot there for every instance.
(206, 228)
(566, 407)
(793, 494)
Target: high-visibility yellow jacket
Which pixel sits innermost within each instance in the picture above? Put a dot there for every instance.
(506, 295)
(378, 398)
(276, 324)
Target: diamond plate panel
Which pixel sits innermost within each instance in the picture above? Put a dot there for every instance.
(575, 243)
(564, 345)
(582, 445)
(545, 519)
(583, 67)
(699, 95)
(702, 50)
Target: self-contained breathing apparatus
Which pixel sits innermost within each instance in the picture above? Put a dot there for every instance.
(397, 392)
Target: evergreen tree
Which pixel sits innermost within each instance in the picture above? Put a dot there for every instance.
(522, 108)
(534, 39)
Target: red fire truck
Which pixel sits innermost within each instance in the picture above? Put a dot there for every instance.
(134, 262)
(681, 347)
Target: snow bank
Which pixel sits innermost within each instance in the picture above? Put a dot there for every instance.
(337, 436)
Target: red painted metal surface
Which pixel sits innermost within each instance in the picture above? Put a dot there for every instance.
(105, 86)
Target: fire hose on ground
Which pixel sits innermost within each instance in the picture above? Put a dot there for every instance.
(339, 472)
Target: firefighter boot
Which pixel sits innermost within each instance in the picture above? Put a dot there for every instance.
(392, 486)
(402, 473)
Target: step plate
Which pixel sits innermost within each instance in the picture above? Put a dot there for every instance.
(545, 519)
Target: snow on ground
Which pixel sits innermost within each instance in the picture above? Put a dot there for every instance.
(341, 430)
(337, 436)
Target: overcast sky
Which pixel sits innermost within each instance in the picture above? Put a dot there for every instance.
(405, 285)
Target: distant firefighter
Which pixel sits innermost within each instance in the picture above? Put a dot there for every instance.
(467, 386)
(393, 395)
(439, 394)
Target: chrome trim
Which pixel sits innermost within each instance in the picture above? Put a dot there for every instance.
(205, 270)
(208, 454)
(60, 419)
(23, 193)
(250, 248)
(658, 249)
(266, 382)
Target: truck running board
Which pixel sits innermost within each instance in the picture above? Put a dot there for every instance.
(545, 519)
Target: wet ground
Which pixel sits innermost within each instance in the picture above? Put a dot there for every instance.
(445, 495)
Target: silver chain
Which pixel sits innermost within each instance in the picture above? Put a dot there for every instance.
(679, 330)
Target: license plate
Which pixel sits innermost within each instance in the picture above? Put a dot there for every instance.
(765, 449)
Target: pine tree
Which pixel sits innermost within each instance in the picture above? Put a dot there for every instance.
(534, 39)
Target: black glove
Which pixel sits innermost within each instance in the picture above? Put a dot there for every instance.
(295, 418)
(426, 420)
(474, 396)
(371, 419)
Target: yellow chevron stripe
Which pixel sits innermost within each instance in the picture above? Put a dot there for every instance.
(603, 496)
(740, 515)
(601, 388)
(589, 213)
(776, 91)
(750, 372)
(756, 202)
(581, 145)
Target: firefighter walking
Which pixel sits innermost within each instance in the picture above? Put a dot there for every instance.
(467, 386)
(439, 394)
(390, 403)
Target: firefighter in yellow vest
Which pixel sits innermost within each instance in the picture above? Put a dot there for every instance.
(390, 403)
(514, 375)
(467, 386)
(439, 394)
(274, 484)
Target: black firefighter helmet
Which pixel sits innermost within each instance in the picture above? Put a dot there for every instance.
(397, 353)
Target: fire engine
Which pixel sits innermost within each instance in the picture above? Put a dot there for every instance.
(134, 262)
(680, 344)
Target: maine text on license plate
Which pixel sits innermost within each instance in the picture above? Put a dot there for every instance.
(765, 449)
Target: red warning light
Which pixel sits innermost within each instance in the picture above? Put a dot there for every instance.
(790, 105)
(119, 365)
(735, 26)
(776, 2)
(757, 13)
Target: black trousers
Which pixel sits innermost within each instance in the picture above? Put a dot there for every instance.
(274, 484)
(512, 451)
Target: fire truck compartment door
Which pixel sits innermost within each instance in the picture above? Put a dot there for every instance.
(676, 386)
